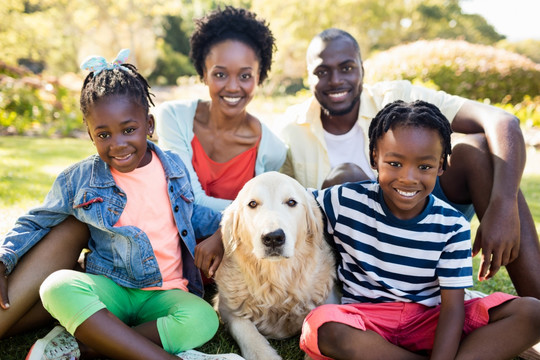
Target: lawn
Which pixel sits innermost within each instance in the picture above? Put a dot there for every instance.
(28, 167)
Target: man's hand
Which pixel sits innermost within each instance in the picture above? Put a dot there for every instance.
(498, 237)
(4, 300)
(209, 253)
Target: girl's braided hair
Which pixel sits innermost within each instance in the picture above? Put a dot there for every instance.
(116, 82)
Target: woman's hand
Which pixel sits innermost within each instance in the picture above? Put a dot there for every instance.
(209, 253)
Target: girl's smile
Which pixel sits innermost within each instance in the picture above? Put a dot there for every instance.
(119, 127)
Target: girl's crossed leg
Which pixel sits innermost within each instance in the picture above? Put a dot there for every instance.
(127, 323)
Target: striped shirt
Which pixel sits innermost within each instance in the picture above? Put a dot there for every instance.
(385, 259)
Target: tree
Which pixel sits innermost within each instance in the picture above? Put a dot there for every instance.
(62, 32)
(377, 25)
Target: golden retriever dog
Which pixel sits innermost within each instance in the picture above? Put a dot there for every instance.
(277, 265)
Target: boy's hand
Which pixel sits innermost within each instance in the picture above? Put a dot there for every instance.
(209, 253)
(4, 300)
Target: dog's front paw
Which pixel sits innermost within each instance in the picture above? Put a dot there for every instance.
(266, 353)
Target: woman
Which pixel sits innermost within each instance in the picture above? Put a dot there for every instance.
(221, 143)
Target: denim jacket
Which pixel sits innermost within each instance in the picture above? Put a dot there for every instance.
(87, 191)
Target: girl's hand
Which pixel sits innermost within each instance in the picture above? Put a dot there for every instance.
(4, 300)
(209, 253)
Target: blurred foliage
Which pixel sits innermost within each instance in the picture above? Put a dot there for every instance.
(37, 105)
(60, 33)
(377, 25)
(173, 59)
(470, 70)
(55, 35)
(528, 110)
(51, 37)
(527, 47)
(170, 65)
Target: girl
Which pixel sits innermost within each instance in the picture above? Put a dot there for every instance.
(405, 259)
(140, 297)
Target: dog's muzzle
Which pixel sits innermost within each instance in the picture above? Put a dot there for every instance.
(273, 242)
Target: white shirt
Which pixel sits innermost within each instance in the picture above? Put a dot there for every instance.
(348, 148)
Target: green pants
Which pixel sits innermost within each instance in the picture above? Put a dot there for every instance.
(184, 320)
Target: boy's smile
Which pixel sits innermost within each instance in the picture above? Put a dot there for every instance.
(408, 160)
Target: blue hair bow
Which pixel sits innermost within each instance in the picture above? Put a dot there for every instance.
(98, 63)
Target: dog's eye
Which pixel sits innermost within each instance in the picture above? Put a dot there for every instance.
(291, 203)
(252, 204)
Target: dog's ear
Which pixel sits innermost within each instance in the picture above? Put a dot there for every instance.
(313, 218)
(229, 227)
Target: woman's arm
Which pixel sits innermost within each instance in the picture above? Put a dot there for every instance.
(271, 153)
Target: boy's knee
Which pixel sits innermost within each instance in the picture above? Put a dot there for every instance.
(525, 310)
(326, 335)
(529, 308)
(311, 329)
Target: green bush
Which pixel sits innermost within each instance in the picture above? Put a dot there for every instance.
(528, 111)
(33, 105)
(527, 47)
(473, 71)
(170, 65)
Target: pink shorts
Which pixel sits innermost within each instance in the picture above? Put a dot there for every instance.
(410, 326)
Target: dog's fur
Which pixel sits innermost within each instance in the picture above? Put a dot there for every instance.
(277, 265)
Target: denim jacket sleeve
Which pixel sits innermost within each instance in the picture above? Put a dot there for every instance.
(205, 221)
(33, 226)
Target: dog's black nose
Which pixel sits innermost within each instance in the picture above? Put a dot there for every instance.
(274, 238)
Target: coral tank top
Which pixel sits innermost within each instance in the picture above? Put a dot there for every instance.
(223, 180)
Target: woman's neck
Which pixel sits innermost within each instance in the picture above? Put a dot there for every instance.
(214, 118)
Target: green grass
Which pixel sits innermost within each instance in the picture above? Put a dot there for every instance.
(28, 167)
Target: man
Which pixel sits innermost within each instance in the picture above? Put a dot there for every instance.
(327, 143)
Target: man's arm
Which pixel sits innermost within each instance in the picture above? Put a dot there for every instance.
(499, 234)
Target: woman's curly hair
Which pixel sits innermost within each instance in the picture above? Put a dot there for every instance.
(232, 24)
